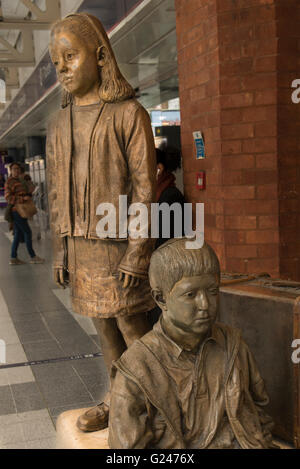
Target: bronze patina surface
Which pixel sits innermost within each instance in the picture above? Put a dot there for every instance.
(190, 382)
(100, 145)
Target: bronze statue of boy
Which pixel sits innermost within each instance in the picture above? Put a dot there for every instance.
(100, 145)
(191, 382)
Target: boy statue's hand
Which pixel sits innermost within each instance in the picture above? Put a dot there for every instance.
(61, 277)
(128, 280)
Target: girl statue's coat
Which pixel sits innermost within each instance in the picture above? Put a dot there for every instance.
(121, 161)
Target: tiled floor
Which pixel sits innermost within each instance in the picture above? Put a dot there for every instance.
(36, 323)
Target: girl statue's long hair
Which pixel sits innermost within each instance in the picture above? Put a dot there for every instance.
(114, 87)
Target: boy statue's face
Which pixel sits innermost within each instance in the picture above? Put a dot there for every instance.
(75, 62)
(192, 304)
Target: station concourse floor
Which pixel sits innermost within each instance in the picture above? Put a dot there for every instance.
(37, 324)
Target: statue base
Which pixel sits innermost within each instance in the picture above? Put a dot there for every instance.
(68, 436)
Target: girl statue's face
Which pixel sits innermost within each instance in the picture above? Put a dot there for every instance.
(76, 63)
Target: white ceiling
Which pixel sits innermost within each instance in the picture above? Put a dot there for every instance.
(15, 9)
(145, 47)
(12, 9)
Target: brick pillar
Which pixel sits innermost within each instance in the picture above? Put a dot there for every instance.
(237, 60)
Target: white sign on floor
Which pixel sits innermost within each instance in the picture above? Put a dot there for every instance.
(2, 352)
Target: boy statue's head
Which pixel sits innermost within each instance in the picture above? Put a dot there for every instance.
(185, 285)
(84, 60)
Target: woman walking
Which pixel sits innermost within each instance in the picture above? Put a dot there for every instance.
(16, 192)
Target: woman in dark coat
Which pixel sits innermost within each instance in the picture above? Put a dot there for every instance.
(168, 161)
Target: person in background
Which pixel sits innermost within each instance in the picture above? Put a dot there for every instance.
(16, 192)
(168, 161)
(26, 181)
(2, 181)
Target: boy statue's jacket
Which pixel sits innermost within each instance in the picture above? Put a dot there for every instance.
(121, 162)
(146, 412)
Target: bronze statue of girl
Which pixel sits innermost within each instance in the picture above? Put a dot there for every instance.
(100, 145)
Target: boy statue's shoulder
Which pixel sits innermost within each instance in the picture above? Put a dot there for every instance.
(149, 346)
(140, 347)
(227, 330)
(151, 341)
(142, 358)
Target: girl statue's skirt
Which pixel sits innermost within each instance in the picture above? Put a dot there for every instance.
(94, 280)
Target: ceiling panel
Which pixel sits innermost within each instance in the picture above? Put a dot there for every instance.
(145, 47)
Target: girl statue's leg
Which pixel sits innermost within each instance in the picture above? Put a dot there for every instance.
(115, 336)
(133, 327)
(111, 340)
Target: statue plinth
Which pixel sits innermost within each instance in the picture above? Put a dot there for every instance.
(70, 437)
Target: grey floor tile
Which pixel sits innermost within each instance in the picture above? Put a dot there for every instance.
(43, 350)
(9, 334)
(86, 324)
(11, 434)
(21, 306)
(4, 318)
(9, 419)
(10, 286)
(48, 306)
(15, 354)
(64, 391)
(97, 386)
(33, 285)
(33, 415)
(56, 411)
(66, 331)
(58, 316)
(3, 378)
(27, 321)
(20, 375)
(7, 404)
(4, 314)
(90, 366)
(78, 345)
(38, 429)
(32, 329)
(43, 292)
(21, 313)
(48, 443)
(64, 297)
(28, 397)
(50, 372)
(16, 445)
(95, 338)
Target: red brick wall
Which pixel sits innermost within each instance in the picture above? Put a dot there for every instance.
(198, 60)
(248, 87)
(235, 74)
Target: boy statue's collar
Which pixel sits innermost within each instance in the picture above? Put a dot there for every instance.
(176, 349)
